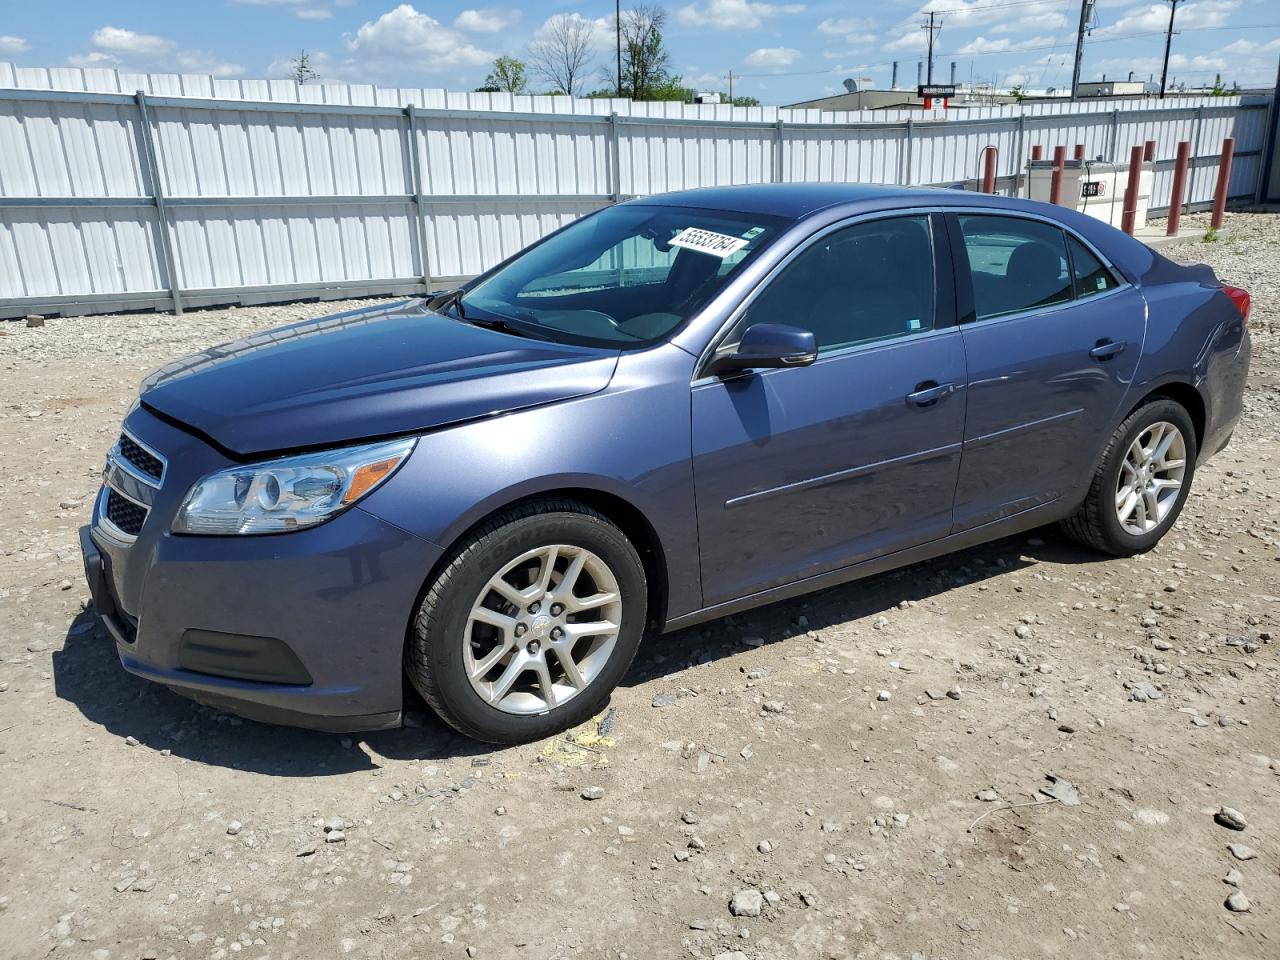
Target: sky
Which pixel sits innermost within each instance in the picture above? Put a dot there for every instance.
(780, 52)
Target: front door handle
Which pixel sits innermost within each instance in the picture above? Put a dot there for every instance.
(929, 392)
(1106, 349)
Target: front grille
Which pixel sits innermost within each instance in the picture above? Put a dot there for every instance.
(125, 515)
(141, 458)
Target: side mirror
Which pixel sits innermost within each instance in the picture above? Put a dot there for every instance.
(765, 345)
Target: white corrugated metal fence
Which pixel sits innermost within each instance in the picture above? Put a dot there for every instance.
(122, 191)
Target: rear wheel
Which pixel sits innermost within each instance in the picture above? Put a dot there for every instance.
(1141, 482)
(531, 625)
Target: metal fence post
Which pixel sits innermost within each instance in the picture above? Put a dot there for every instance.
(1195, 155)
(168, 262)
(777, 151)
(1018, 163)
(419, 203)
(906, 175)
(615, 158)
(1112, 134)
(1262, 193)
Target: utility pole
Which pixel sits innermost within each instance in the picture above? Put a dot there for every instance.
(1168, 41)
(931, 29)
(731, 88)
(1086, 11)
(617, 26)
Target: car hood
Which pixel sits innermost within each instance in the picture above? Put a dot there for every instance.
(367, 373)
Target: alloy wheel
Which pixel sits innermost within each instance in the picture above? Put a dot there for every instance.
(542, 629)
(1150, 478)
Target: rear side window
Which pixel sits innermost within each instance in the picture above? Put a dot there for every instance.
(1016, 264)
(1088, 272)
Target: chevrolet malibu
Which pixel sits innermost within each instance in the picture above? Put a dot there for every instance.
(672, 409)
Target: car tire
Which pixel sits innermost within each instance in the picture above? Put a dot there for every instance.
(469, 618)
(1118, 525)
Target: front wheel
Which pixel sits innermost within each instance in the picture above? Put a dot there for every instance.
(531, 625)
(1141, 482)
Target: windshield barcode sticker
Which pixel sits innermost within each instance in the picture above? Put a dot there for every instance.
(717, 244)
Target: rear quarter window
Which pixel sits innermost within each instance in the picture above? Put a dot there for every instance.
(1089, 275)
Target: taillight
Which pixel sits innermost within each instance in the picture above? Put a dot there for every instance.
(1241, 299)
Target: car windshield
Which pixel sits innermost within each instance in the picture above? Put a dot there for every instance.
(626, 277)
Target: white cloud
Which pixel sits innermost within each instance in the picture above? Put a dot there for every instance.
(486, 21)
(1249, 48)
(910, 42)
(1003, 45)
(1040, 20)
(1198, 66)
(1155, 17)
(302, 9)
(733, 14)
(95, 58)
(10, 45)
(773, 57)
(117, 41)
(127, 49)
(700, 79)
(845, 25)
(405, 40)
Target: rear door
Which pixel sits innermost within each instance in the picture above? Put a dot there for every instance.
(803, 470)
(1053, 337)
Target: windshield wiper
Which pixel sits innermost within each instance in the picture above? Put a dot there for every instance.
(450, 298)
(497, 323)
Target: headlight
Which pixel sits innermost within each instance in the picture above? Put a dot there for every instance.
(288, 494)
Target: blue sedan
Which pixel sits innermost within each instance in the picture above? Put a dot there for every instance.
(673, 409)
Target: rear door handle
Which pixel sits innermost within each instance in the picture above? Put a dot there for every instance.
(929, 392)
(1106, 349)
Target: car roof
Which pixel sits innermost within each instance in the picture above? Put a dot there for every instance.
(795, 201)
(798, 201)
(791, 200)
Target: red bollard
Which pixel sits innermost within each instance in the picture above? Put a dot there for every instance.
(1224, 177)
(1149, 151)
(1055, 185)
(989, 170)
(1131, 191)
(1079, 151)
(1179, 183)
(1037, 152)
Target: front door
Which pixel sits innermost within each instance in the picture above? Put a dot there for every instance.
(803, 470)
(1052, 347)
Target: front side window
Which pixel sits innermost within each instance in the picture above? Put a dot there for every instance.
(626, 277)
(867, 282)
(1015, 264)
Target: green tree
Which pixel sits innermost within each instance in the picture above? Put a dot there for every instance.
(1018, 92)
(507, 76)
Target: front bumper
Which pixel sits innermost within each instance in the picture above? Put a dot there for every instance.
(305, 628)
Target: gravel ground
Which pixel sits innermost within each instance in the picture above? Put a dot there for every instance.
(858, 773)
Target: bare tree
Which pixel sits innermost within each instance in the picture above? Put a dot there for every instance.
(302, 70)
(563, 56)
